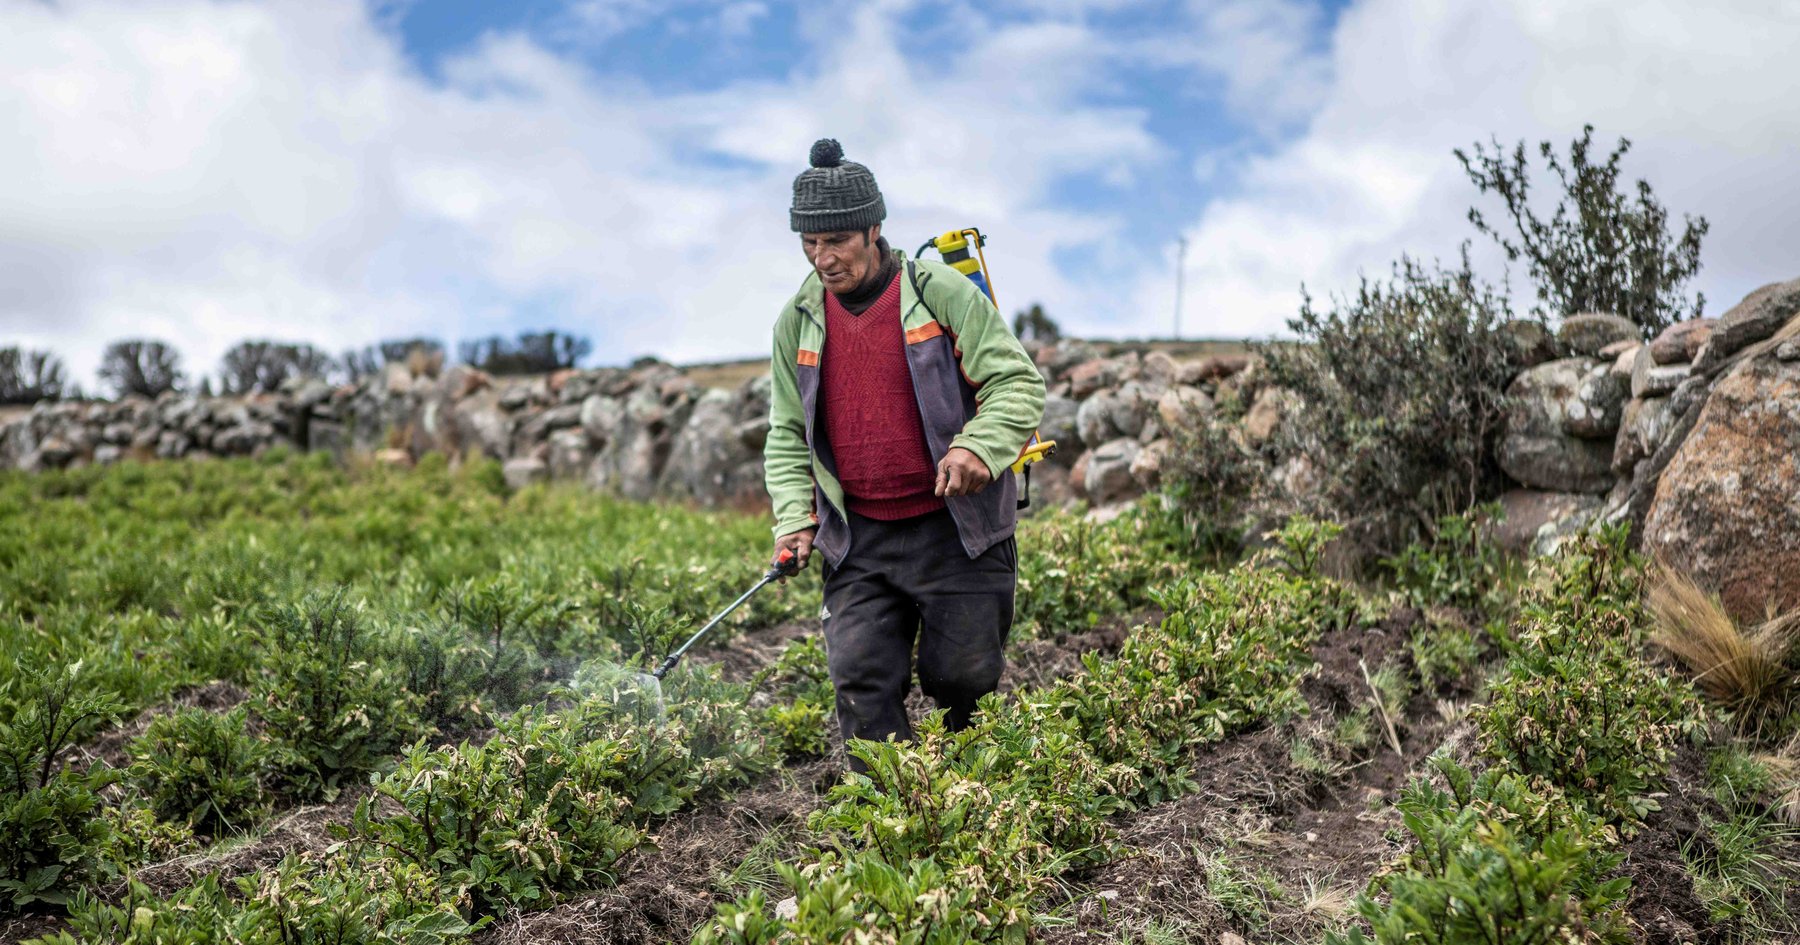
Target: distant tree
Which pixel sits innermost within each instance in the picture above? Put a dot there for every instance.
(358, 364)
(1033, 325)
(141, 366)
(532, 353)
(27, 377)
(206, 388)
(253, 366)
(1602, 250)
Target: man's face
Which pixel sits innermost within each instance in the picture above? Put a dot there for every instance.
(843, 258)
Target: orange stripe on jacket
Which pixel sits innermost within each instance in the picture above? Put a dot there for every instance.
(924, 332)
(808, 358)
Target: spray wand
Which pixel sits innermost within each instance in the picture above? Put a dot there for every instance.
(784, 566)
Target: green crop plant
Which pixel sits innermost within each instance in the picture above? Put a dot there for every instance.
(801, 699)
(1498, 862)
(51, 840)
(1458, 565)
(333, 705)
(1073, 573)
(201, 768)
(555, 799)
(1444, 651)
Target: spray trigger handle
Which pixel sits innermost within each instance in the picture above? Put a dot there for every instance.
(786, 564)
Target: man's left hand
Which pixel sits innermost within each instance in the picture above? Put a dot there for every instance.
(961, 472)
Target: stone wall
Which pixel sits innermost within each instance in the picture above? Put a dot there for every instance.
(1694, 437)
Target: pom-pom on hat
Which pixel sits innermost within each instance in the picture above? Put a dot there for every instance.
(835, 194)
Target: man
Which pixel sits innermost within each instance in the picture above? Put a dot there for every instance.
(900, 399)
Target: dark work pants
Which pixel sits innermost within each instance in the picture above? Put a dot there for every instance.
(911, 580)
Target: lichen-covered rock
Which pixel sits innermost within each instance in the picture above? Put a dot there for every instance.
(1146, 468)
(1727, 508)
(1094, 419)
(1680, 342)
(569, 453)
(1599, 400)
(1649, 379)
(1535, 449)
(1642, 426)
(1531, 342)
(707, 462)
(1585, 334)
(1108, 477)
(1267, 411)
(1180, 407)
(1059, 424)
(1537, 522)
(1759, 315)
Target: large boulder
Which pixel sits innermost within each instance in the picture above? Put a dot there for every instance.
(1650, 379)
(1108, 477)
(1535, 449)
(1680, 342)
(1531, 342)
(1585, 334)
(1537, 522)
(1727, 507)
(1182, 406)
(1094, 419)
(524, 471)
(1271, 406)
(708, 460)
(1599, 400)
(1759, 315)
(1213, 367)
(1059, 424)
(1132, 405)
(1642, 427)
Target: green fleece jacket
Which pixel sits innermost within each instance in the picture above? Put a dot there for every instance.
(975, 385)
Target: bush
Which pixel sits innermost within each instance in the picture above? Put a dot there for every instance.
(328, 700)
(802, 700)
(1402, 387)
(1033, 325)
(262, 366)
(1211, 480)
(533, 353)
(1073, 573)
(1600, 251)
(202, 769)
(1496, 862)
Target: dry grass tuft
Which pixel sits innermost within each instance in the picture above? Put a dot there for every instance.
(1745, 672)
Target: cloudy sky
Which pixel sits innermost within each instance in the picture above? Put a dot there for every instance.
(341, 171)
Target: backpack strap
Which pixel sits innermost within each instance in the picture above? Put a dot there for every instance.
(912, 277)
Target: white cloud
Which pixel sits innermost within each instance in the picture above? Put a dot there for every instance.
(1700, 90)
(207, 172)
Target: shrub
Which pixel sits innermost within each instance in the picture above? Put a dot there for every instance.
(1033, 325)
(1211, 480)
(1599, 251)
(1496, 862)
(330, 703)
(253, 366)
(533, 353)
(202, 769)
(1402, 386)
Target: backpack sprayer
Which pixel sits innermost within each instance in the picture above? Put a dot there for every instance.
(953, 247)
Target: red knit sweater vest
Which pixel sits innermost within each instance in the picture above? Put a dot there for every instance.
(872, 414)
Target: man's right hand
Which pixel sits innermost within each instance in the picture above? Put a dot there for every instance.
(800, 543)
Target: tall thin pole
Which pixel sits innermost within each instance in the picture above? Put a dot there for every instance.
(1180, 260)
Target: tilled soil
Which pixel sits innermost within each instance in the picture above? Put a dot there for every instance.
(1263, 848)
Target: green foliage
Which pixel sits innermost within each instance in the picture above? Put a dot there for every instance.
(332, 705)
(1458, 565)
(1073, 572)
(1496, 862)
(802, 700)
(1403, 387)
(1444, 650)
(1300, 545)
(1601, 250)
(554, 800)
(1033, 325)
(1211, 480)
(51, 840)
(201, 768)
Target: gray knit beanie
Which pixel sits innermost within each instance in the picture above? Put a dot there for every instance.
(835, 194)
